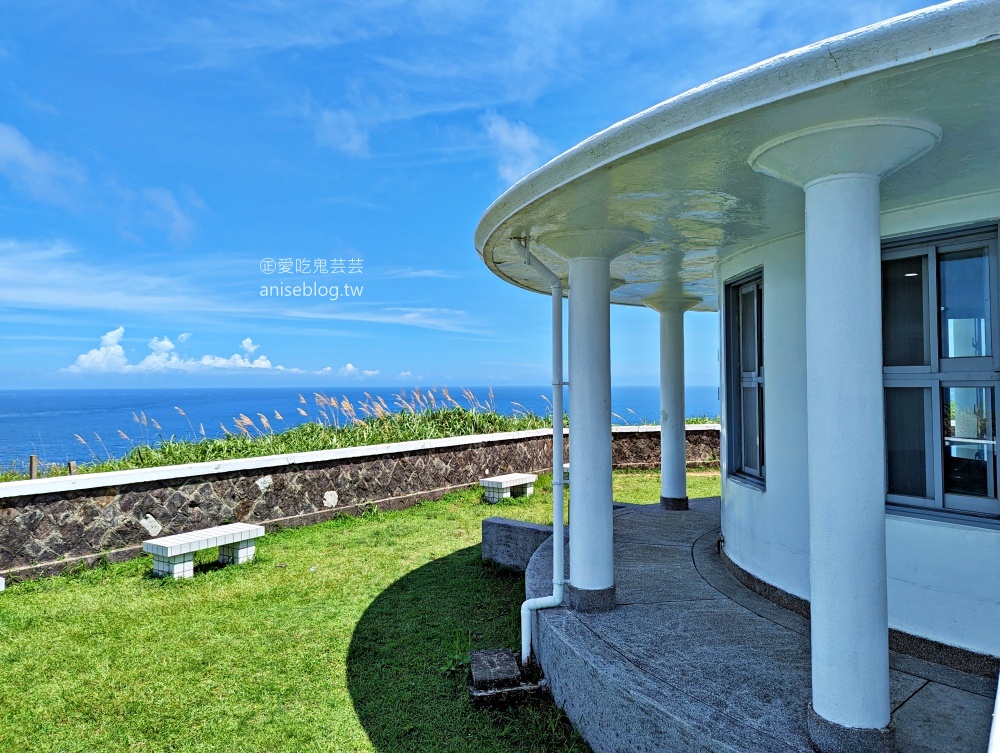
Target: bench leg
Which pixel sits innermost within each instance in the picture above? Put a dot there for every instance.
(177, 567)
(238, 553)
(495, 494)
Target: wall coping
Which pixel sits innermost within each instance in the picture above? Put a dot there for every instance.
(82, 481)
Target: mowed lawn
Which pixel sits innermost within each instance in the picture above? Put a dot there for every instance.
(351, 635)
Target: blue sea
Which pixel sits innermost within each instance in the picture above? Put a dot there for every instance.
(81, 425)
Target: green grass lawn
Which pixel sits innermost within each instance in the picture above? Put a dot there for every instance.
(350, 635)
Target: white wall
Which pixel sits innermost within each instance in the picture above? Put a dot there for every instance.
(944, 578)
(767, 532)
(944, 581)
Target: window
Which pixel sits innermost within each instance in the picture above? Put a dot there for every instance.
(745, 377)
(941, 371)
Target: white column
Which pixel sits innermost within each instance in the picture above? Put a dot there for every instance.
(840, 166)
(846, 451)
(673, 441)
(591, 567)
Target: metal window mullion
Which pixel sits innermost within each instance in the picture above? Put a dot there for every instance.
(936, 442)
(994, 314)
(933, 310)
(734, 385)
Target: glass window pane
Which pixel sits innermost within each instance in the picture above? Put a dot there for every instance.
(905, 441)
(969, 449)
(905, 336)
(748, 330)
(964, 280)
(750, 420)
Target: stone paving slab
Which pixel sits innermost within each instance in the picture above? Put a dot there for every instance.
(646, 574)
(691, 660)
(941, 718)
(669, 528)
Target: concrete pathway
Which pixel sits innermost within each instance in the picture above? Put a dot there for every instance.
(691, 660)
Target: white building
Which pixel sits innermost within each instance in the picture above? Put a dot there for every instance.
(838, 205)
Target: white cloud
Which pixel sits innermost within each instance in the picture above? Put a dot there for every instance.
(235, 361)
(183, 337)
(518, 148)
(110, 357)
(161, 346)
(402, 274)
(405, 374)
(165, 212)
(249, 347)
(447, 320)
(53, 274)
(42, 175)
(340, 129)
(350, 370)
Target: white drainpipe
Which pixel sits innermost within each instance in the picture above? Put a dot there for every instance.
(555, 600)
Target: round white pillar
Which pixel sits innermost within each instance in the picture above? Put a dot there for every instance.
(840, 166)
(846, 451)
(591, 563)
(673, 440)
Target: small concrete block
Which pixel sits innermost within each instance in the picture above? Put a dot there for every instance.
(511, 543)
(3, 584)
(495, 668)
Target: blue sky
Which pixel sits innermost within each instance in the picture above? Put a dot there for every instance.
(154, 155)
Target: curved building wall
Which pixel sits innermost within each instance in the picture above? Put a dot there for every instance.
(767, 531)
(943, 576)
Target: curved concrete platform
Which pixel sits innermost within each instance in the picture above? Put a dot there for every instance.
(691, 660)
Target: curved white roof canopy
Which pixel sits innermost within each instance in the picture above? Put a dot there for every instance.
(676, 182)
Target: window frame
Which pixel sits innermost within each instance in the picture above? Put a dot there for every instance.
(737, 379)
(942, 373)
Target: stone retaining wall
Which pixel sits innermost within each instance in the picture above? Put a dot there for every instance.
(47, 525)
(639, 446)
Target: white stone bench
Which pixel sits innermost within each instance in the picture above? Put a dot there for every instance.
(508, 485)
(174, 555)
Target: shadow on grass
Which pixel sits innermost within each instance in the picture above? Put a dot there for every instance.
(407, 663)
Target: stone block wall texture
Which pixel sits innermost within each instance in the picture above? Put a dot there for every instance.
(45, 533)
(639, 446)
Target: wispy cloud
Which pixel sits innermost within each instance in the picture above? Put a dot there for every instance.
(408, 273)
(50, 275)
(54, 178)
(447, 320)
(340, 130)
(165, 212)
(449, 62)
(519, 149)
(42, 175)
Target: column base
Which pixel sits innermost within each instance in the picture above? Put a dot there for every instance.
(591, 600)
(674, 503)
(830, 737)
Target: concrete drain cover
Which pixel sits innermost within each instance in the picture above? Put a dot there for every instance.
(496, 679)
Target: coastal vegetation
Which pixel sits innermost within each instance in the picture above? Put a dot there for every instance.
(349, 635)
(327, 423)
